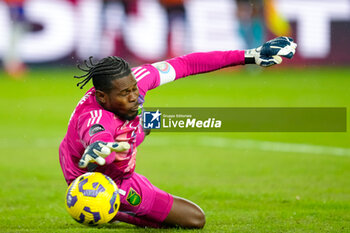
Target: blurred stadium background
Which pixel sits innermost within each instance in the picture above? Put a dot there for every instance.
(245, 182)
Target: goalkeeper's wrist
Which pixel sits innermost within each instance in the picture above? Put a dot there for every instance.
(249, 56)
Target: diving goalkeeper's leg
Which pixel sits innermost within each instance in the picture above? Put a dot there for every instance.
(145, 205)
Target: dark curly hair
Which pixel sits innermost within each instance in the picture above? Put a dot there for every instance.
(103, 72)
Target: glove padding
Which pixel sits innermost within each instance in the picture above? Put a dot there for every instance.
(97, 151)
(271, 52)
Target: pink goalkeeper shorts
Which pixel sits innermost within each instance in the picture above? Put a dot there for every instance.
(143, 199)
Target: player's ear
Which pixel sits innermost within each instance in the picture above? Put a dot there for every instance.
(101, 96)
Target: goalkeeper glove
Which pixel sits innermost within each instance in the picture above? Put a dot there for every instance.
(271, 52)
(97, 151)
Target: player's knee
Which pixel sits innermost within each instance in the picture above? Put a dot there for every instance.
(185, 214)
(199, 219)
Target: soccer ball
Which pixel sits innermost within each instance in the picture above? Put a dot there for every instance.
(92, 199)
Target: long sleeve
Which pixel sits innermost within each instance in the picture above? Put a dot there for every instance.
(97, 125)
(196, 63)
(154, 75)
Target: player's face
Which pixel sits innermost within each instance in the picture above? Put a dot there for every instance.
(122, 100)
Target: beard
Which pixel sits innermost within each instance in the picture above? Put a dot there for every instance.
(126, 117)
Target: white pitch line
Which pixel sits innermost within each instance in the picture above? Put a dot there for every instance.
(274, 146)
(205, 141)
(37, 142)
(248, 144)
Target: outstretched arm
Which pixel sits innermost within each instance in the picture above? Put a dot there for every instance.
(270, 53)
(196, 63)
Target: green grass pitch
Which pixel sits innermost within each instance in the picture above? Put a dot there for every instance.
(248, 182)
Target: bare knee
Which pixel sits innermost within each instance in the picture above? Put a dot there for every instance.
(185, 214)
(197, 219)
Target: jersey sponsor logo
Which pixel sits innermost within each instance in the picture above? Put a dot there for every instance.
(95, 117)
(95, 129)
(151, 120)
(133, 197)
(166, 72)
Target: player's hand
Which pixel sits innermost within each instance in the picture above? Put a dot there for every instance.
(97, 151)
(271, 52)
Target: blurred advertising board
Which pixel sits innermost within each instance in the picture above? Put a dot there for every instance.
(149, 30)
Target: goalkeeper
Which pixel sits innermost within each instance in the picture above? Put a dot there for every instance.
(105, 128)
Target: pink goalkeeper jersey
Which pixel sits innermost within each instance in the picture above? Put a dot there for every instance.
(90, 122)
